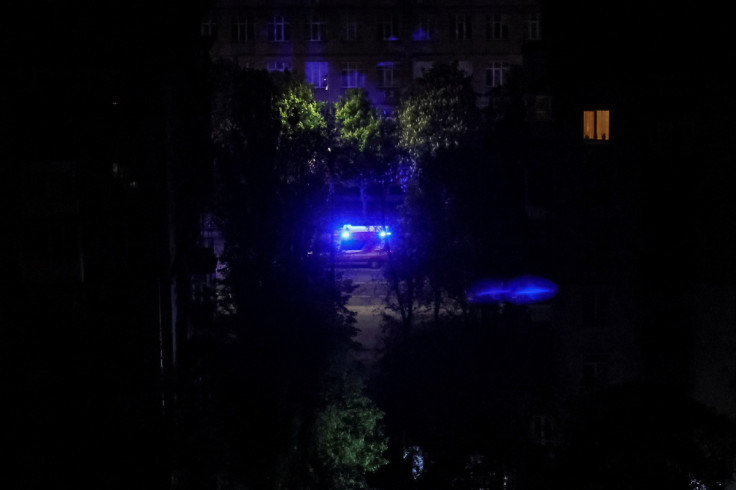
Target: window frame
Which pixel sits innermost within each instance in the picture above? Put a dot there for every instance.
(427, 24)
(208, 28)
(499, 71)
(387, 70)
(322, 78)
(595, 371)
(532, 27)
(597, 125)
(349, 29)
(243, 29)
(497, 27)
(316, 28)
(463, 27)
(271, 66)
(351, 75)
(387, 28)
(420, 67)
(542, 427)
(279, 29)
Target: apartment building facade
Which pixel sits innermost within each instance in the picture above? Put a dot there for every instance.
(382, 46)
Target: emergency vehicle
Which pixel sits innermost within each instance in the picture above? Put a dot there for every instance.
(362, 246)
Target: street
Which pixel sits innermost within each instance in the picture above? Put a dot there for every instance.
(368, 301)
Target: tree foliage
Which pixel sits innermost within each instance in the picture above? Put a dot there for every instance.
(437, 113)
(438, 125)
(303, 132)
(348, 439)
(358, 122)
(283, 320)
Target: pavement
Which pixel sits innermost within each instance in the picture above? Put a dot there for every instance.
(368, 301)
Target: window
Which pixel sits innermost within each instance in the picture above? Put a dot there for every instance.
(594, 309)
(278, 66)
(420, 67)
(316, 73)
(387, 29)
(595, 371)
(349, 29)
(352, 76)
(542, 428)
(278, 29)
(316, 28)
(386, 74)
(596, 125)
(497, 29)
(466, 67)
(541, 106)
(208, 28)
(462, 27)
(532, 28)
(496, 73)
(425, 29)
(242, 29)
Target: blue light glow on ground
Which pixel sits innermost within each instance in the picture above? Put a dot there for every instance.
(521, 290)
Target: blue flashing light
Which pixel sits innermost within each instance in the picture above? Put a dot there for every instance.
(522, 290)
(345, 234)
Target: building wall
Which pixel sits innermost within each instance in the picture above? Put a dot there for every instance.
(713, 374)
(419, 34)
(49, 251)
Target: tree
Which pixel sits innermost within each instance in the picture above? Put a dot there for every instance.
(303, 134)
(362, 140)
(257, 373)
(358, 121)
(438, 125)
(437, 113)
(348, 441)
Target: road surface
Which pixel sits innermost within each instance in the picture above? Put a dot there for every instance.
(368, 301)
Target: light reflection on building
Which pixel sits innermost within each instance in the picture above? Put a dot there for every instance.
(378, 47)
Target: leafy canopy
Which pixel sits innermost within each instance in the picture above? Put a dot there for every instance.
(348, 438)
(297, 109)
(358, 122)
(438, 112)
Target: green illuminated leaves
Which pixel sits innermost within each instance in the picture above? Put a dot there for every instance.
(298, 111)
(349, 441)
(439, 112)
(303, 132)
(358, 122)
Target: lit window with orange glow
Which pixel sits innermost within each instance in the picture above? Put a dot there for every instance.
(596, 125)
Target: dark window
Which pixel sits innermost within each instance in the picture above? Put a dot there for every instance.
(532, 27)
(349, 30)
(594, 309)
(242, 29)
(542, 428)
(208, 28)
(497, 29)
(463, 27)
(387, 28)
(278, 29)
(595, 371)
(425, 29)
(316, 28)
